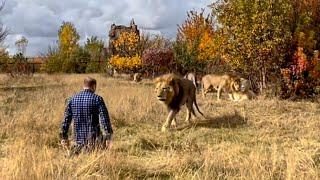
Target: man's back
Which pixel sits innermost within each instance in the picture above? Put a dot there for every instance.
(84, 108)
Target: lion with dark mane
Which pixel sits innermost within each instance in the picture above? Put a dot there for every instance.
(174, 92)
(245, 92)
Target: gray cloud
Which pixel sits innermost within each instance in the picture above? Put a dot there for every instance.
(39, 20)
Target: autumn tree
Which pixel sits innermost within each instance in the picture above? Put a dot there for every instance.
(301, 71)
(128, 57)
(158, 60)
(67, 56)
(68, 39)
(68, 46)
(127, 44)
(195, 41)
(305, 28)
(157, 53)
(253, 35)
(197, 32)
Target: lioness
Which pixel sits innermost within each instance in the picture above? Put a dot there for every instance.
(228, 83)
(174, 92)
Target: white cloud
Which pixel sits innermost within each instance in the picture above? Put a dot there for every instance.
(39, 20)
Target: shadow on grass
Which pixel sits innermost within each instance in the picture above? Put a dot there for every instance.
(226, 121)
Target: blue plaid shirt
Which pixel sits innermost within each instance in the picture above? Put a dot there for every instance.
(85, 108)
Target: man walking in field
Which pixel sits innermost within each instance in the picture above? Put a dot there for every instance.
(85, 108)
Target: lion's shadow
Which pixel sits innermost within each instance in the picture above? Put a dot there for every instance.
(226, 121)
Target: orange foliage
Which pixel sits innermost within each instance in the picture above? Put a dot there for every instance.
(125, 63)
(127, 44)
(301, 60)
(197, 31)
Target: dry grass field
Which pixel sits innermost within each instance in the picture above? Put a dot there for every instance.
(261, 139)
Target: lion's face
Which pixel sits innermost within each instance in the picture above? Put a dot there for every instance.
(236, 85)
(167, 87)
(164, 91)
(244, 85)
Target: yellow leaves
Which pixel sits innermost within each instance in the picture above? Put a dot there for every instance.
(125, 62)
(127, 58)
(68, 38)
(205, 47)
(127, 43)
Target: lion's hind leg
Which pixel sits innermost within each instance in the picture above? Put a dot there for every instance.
(190, 110)
(206, 89)
(219, 93)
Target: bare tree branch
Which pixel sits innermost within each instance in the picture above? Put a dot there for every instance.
(3, 29)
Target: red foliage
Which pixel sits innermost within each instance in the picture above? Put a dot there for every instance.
(158, 58)
(300, 59)
(302, 76)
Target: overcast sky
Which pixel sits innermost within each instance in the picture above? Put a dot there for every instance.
(39, 20)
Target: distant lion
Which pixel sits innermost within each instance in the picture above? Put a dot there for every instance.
(245, 93)
(241, 96)
(174, 92)
(245, 84)
(137, 77)
(191, 77)
(226, 82)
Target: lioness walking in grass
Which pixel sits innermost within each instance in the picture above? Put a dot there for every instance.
(85, 108)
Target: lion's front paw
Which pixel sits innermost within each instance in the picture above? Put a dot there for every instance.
(174, 124)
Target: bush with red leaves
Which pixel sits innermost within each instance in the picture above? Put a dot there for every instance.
(158, 60)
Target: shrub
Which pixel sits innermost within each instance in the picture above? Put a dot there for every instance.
(158, 60)
(4, 61)
(20, 66)
(302, 77)
(126, 63)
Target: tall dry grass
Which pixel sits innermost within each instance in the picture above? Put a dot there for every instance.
(262, 139)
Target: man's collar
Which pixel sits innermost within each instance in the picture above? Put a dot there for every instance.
(88, 90)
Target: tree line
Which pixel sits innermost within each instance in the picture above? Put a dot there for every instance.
(275, 44)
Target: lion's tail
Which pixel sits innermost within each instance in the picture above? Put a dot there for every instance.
(196, 104)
